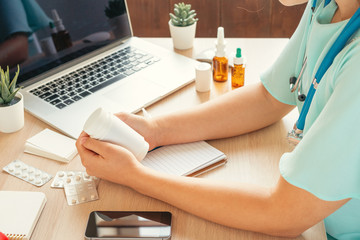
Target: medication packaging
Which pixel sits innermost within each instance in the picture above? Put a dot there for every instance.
(105, 126)
(61, 177)
(203, 77)
(220, 61)
(238, 71)
(80, 190)
(27, 173)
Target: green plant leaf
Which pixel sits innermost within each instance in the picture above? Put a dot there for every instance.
(11, 96)
(175, 22)
(4, 90)
(183, 14)
(1, 101)
(177, 12)
(7, 76)
(13, 82)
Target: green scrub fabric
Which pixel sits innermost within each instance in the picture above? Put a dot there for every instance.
(21, 16)
(326, 162)
(25, 16)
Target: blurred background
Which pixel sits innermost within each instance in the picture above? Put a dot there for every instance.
(240, 18)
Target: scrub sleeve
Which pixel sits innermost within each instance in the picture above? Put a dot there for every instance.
(9, 24)
(276, 78)
(29, 17)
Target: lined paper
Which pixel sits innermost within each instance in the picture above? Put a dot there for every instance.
(183, 159)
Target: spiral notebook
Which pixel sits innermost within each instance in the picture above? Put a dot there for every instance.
(188, 159)
(19, 213)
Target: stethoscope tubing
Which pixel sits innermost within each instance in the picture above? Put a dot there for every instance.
(351, 27)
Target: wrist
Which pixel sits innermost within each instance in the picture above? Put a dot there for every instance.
(137, 178)
(156, 132)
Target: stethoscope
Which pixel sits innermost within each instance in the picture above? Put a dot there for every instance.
(296, 134)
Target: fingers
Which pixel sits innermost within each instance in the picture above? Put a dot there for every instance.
(99, 147)
(88, 146)
(122, 116)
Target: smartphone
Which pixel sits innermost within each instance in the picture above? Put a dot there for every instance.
(123, 225)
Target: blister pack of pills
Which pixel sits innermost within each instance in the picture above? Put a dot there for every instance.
(61, 177)
(80, 190)
(27, 173)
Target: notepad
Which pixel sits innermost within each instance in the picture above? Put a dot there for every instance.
(19, 213)
(189, 159)
(50, 144)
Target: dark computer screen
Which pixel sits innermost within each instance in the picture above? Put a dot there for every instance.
(60, 31)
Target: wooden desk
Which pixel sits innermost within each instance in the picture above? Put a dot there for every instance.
(252, 158)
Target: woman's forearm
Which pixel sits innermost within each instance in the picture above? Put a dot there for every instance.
(238, 112)
(242, 206)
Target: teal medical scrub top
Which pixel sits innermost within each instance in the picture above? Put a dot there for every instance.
(326, 162)
(24, 16)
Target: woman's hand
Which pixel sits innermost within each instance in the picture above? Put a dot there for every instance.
(146, 127)
(107, 161)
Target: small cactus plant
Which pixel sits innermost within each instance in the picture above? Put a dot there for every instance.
(115, 8)
(7, 87)
(183, 16)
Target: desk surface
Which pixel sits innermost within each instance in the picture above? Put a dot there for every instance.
(252, 158)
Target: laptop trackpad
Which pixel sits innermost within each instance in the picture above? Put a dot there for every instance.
(136, 93)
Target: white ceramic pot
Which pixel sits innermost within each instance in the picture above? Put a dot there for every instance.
(183, 37)
(12, 117)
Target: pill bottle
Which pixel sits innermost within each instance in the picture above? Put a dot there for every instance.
(105, 126)
(238, 70)
(220, 62)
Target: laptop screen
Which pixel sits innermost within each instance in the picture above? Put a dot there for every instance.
(57, 31)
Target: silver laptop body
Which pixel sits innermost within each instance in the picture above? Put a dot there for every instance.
(164, 72)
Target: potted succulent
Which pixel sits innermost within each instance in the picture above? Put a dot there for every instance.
(11, 103)
(182, 26)
(116, 13)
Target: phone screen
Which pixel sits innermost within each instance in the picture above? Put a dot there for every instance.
(124, 224)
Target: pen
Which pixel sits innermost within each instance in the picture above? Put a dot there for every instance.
(145, 113)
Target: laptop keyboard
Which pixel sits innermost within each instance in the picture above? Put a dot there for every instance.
(81, 83)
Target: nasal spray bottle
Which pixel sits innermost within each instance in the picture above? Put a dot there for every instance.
(220, 62)
(62, 37)
(238, 71)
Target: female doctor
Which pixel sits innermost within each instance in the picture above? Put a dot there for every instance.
(319, 180)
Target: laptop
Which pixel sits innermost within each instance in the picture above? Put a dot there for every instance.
(102, 65)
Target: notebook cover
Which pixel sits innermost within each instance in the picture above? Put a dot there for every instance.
(20, 212)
